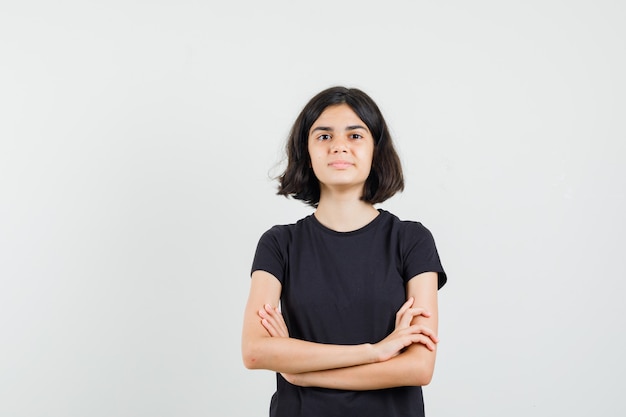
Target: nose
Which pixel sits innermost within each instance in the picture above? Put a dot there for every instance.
(339, 145)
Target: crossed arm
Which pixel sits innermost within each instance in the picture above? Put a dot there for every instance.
(405, 357)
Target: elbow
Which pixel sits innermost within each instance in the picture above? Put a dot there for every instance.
(420, 373)
(250, 359)
(424, 379)
(420, 378)
(419, 366)
(251, 356)
(250, 362)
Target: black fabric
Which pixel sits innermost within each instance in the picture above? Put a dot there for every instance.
(345, 288)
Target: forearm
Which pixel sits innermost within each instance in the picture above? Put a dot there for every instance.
(284, 354)
(288, 355)
(413, 367)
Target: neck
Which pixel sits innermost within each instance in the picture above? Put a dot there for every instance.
(344, 213)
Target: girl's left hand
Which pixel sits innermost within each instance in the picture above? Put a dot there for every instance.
(273, 321)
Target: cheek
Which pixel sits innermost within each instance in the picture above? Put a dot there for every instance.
(314, 161)
(316, 166)
(315, 154)
(369, 156)
(311, 151)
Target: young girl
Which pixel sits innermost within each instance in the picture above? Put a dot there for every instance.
(357, 287)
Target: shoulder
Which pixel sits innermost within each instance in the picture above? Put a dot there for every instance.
(418, 251)
(284, 232)
(406, 229)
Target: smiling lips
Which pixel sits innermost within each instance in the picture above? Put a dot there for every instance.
(339, 164)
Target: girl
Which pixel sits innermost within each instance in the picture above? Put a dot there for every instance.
(357, 287)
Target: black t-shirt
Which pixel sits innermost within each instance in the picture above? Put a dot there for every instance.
(345, 288)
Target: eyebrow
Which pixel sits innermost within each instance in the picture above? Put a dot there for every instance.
(330, 129)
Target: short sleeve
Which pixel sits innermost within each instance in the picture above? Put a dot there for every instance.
(420, 253)
(270, 255)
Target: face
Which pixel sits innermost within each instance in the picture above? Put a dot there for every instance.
(341, 148)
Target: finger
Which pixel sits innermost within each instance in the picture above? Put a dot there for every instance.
(276, 314)
(269, 322)
(423, 340)
(410, 314)
(418, 329)
(420, 311)
(281, 320)
(407, 304)
(270, 328)
(275, 318)
(426, 331)
(406, 318)
(281, 329)
(273, 328)
(271, 312)
(266, 313)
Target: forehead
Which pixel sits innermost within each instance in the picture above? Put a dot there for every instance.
(339, 116)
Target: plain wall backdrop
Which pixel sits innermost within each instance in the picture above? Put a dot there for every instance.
(137, 144)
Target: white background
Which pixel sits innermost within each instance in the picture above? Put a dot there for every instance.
(137, 144)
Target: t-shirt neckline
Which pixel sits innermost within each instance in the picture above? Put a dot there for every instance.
(362, 229)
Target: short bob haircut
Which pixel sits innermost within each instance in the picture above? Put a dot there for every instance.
(299, 181)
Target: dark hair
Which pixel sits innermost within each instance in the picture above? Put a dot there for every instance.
(299, 181)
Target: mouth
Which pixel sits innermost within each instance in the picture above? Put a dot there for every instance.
(340, 164)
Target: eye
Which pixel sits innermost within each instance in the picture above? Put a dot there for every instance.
(323, 137)
(356, 136)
